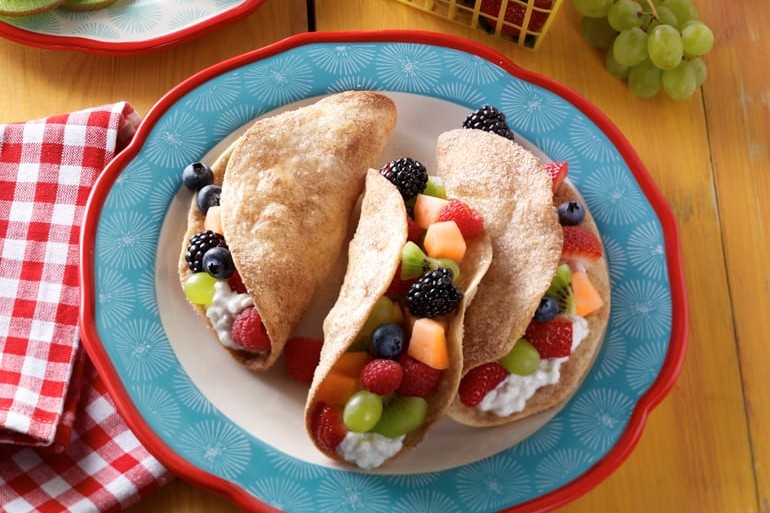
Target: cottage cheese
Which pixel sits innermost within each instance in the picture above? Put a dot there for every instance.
(368, 450)
(223, 309)
(511, 395)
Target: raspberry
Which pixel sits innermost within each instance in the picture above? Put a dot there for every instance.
(301, 356)
(552, 339)
(236, 283)
(480, 381)
(419, 379)
(382, 376)
(558, 172)
(408, 175)
(398, 287)
(433, 294)
(327, 428)
(489, 119)
(199, 244)
(249, 332)
(467, 219)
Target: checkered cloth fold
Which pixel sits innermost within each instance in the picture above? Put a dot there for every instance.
(63, 446)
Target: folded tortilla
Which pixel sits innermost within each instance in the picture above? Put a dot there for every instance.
(373, 260)
(289, 186)
(509, 186)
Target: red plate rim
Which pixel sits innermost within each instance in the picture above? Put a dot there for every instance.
(88, 45)
(579, 486)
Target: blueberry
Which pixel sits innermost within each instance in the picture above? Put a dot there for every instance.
(388, 341)
(218, 262)
(571, 213)
(547, 310)
(208, 196)
(197, 175)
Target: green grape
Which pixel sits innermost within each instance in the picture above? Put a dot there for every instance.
(362, 411)
(644, 79)
(402, 415)
(630, 47)
(700, 70)
(199, 288)
(625, 14)
(615, 68)
(592, 8)
(664, 45)
(597, 32)
(684, 10)
(665, 17)
(382, 313)
(697, 38)
(679, 83)
(523, 359)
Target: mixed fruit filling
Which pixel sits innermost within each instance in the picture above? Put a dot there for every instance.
(379, 390)
(557, 328)
(215, 283)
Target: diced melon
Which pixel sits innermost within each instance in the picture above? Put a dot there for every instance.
(213, 219)
(337, 388)
(586, 297)
(445, 240)
(427, 209)
(428, 344)
(351, 363)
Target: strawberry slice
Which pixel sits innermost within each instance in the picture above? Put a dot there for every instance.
(327, 427)
(581, 246)
(558, 172)
(480, 381)
(552, 339)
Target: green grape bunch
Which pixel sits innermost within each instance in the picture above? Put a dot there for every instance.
(652, 44)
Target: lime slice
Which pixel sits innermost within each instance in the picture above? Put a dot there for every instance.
(26, 7)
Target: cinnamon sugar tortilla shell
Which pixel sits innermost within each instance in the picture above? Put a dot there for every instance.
(373, 259)
(289, 186)
(511, 189)
(575, 369)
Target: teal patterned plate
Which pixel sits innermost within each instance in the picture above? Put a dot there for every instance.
(242, 434)
(125, 27)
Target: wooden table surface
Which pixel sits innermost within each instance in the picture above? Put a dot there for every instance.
(706, 447)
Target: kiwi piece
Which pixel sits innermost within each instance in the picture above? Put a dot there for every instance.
(401, 415)
(561, 289)
(86, 5)
(448, 263)
(435, 187)
(26, 7)
(414, 262)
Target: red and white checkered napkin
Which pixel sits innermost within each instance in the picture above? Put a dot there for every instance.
(63, 446)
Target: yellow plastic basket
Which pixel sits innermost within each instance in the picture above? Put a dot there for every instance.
(524, 21)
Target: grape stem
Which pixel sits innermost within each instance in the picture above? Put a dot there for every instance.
(653, 11)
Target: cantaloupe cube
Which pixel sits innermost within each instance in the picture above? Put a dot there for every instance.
(351, 363)
(427, 210)
(445, 240)
(213, 219)
(428, 344)
(337, 388)
(587, 298)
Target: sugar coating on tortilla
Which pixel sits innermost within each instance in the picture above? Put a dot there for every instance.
(575, 369)
(374, 256)
(289, 186)
(511, 189)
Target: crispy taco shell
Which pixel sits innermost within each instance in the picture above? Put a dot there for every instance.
(514, 194)
(289, 186)
(373, 259)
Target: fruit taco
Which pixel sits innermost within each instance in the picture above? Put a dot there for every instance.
(270, 218)
(391, 359)
(540, 312)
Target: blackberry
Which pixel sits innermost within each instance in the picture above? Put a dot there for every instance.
(433, 294)
(408, 175)
(489, 119)
(199, 244)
